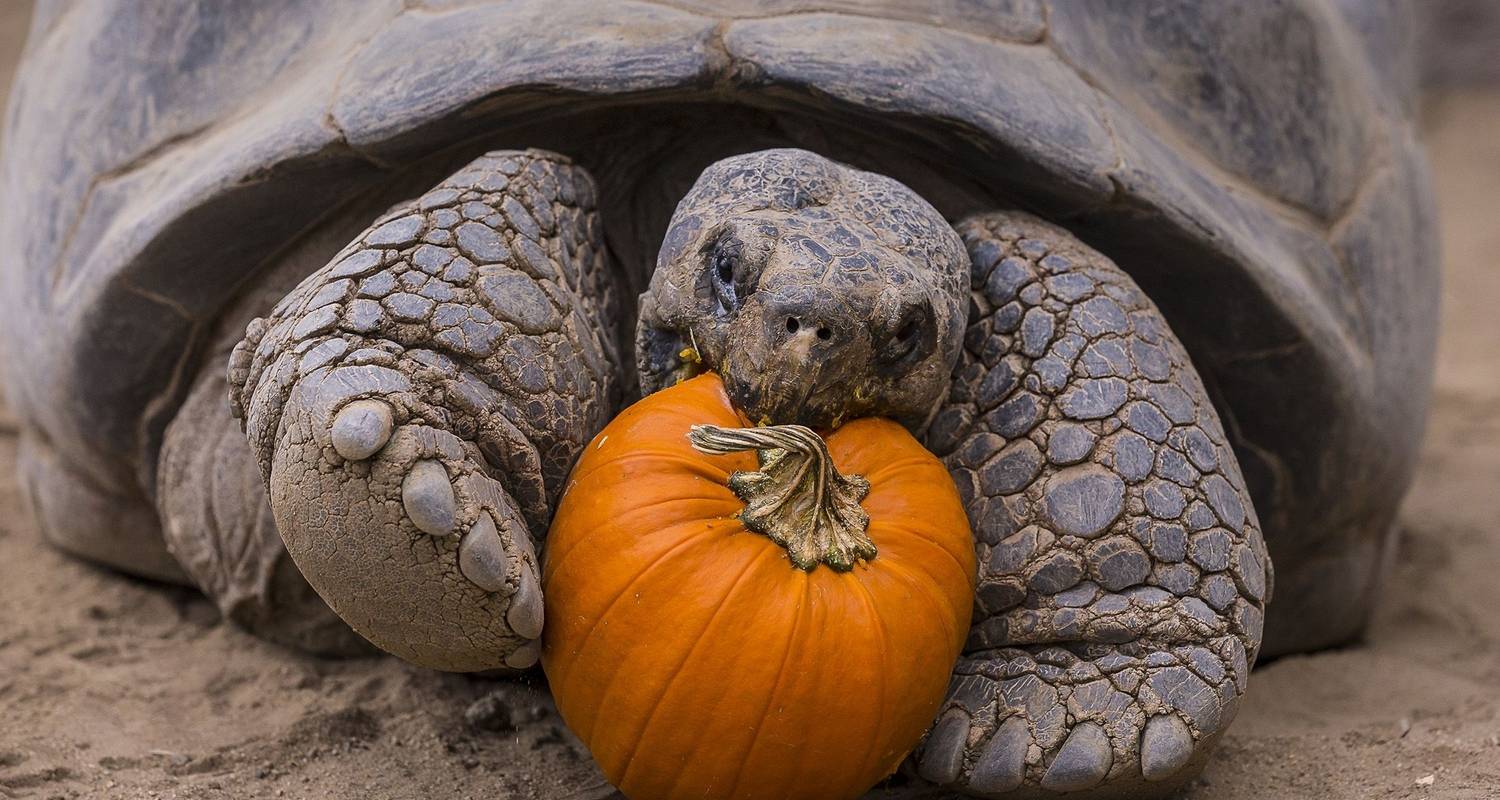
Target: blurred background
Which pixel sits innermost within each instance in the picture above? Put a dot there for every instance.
(110, 687)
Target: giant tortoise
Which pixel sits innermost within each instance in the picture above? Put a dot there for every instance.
(1154, 279)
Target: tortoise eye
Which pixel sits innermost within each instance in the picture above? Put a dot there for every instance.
(908, 337)
(723, 267)
(908, 331)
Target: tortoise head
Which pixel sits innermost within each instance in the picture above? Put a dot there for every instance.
(818, 292)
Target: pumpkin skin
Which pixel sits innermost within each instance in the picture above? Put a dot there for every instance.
(695, 661)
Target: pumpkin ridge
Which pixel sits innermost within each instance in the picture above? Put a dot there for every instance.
(692, 539)
(557, 675)
(620, 519)
(877, 622)
(818, 667)
(905, 534)
(628, 514)
(907, 574)
(556, 558)
(786, 655)
(959, 548)
(877, 474)
(669, 457)
(607, 696)
(703, 635)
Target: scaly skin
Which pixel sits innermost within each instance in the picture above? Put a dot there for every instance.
(415, 406)
(409, 444)
(1123, 577)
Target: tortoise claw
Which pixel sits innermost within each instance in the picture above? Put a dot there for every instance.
(362, 428)
(1002, 763)
(1082, 761)
(943, 759)
(427, 496)
(1166, 745)
(486, 560)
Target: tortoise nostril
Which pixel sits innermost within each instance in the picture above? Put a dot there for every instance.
(793, 325)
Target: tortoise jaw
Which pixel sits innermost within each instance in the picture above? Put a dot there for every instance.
(773, 400)
(771, 383)
(789, 388)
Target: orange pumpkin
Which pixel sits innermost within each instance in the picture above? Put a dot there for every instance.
(696, 660)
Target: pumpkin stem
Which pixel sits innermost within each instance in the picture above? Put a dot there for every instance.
(797, 497)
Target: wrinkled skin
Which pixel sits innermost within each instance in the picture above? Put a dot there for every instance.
(819, 293)
(415, 406)
(1122, 572)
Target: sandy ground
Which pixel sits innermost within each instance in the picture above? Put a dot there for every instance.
(116, 688)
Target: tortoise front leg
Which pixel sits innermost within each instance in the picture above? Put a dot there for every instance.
(415, 406)
(216, 522)
(1123, 577)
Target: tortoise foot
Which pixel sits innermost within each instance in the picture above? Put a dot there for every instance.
(1136, 722)
(416, 404)
(1123, 577)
